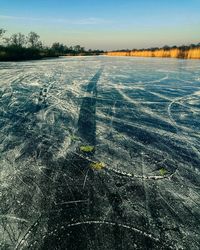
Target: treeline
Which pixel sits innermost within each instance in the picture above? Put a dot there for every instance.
(21, 47)
(61, 49)
(186, 52)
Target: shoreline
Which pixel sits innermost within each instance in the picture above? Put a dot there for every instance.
(43, 58)
(111, 54)
(28, 59)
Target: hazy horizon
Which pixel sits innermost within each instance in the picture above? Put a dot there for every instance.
(107, 25)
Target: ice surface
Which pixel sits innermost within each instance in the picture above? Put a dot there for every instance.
(100, 153)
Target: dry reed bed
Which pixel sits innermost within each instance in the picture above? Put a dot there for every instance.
(173, 53)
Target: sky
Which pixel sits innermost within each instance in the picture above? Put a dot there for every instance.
(105, 24)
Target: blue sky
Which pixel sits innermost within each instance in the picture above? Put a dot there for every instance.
(105, 24)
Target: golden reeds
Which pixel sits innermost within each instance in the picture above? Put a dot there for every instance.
(173, 53)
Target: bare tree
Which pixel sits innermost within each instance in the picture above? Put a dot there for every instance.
(77, 48)
(17, 40)
(2, 32)
(33, 40)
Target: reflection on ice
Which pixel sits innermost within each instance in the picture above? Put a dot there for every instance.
(139, 185)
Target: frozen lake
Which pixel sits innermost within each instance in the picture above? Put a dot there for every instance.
(100, 153)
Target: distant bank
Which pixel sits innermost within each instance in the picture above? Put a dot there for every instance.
(19, 47)
(191, 53)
